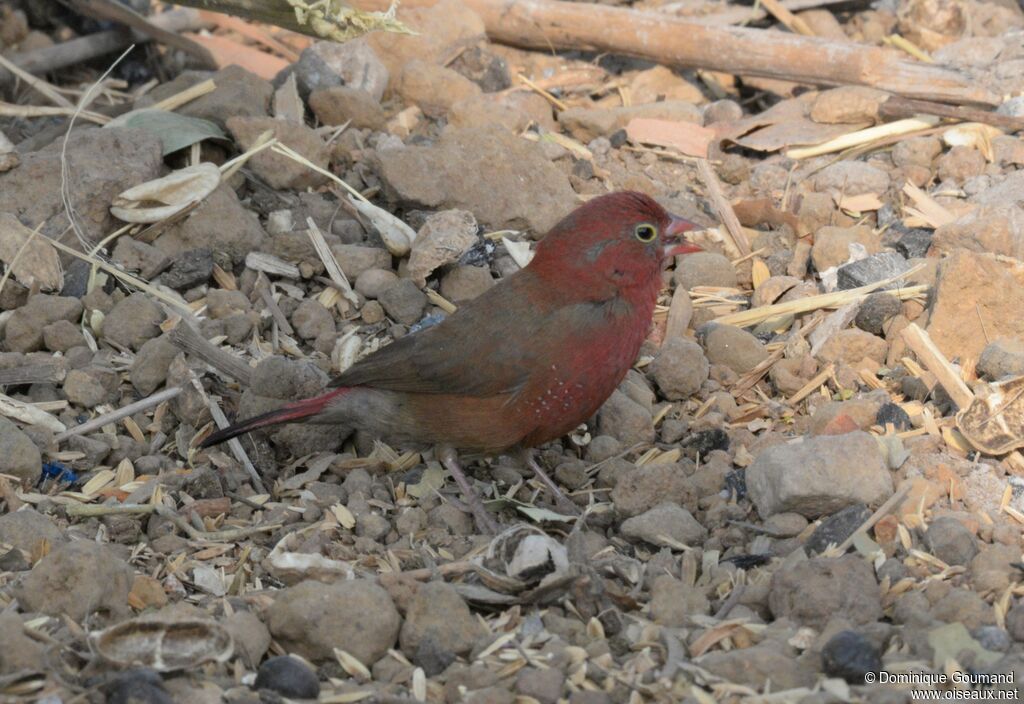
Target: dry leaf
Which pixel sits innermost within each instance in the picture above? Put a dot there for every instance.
(37, 261)
(519, 251)
(994, 422)
(161, 198)
(687, 137)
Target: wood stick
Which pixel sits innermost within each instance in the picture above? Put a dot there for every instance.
(723, 207)
(89, 47)
(555, 24)
(875, 517)
(119, 413)
(46, 373)
(122, 14)
(28, 413)
(896, 108)
(932, 358)
(189, 340)
(234, 445)
(809, 388)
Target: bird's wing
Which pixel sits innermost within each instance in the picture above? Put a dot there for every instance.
(489, 347)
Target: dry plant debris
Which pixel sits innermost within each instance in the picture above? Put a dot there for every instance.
(813, 472)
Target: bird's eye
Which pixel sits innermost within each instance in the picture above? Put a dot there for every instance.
(645, 232)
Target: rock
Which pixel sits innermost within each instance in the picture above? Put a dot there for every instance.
(19, 652)
(914, 243)
(960, 163)
(101, 582)
(917, 151)
(485, 68)
(19, 456)
(140, 257)
(836, 528)
(963, 606)
(62, 335)
(950, 541)
(250, 636)
(353, 64)
(667, 520)
(354, 259)
(137, 686)
(223, 303)
(662, 84)
(705, 269)
(189, 269)
(812, 592)
(340, 104)
(876, 267)
(975, 299)
(24, 329)
(541, 685)
(281, 172)
(1002, 358)
(403, 301)
(438, 612)
(1015, 622)
(832, 245)
(133, 321)
(586, 124)
(104, 163)
(851, 178)
(648, 486)
(785, 525)
(862, 410)
(994, 229)
(994, 567)
(476, 110)
(433, 88)
(680, 368)
(480, 169)
(311, 320)
(219, 223)
(758, 665)
(373, 282)
(847, 105)
(731, 347)
(285, 378)
(852, 345)
(820, 475)
(289, 677)
(673, 601)
(464, 283)
(851, 656)
(313, 618)
(238, 92)
(149, 368)
(876, 310)
(625, 420)
(83, 389)
(27, 528)
(442, 239)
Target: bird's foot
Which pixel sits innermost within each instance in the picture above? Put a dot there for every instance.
(561, 500)
(484, 520)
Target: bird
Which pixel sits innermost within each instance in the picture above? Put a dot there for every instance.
(523, 363)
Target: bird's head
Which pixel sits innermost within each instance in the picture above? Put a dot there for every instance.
(618, 240)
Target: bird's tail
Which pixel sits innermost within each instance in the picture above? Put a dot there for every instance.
(288, 413)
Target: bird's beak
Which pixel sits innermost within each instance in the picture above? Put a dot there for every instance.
(675, 242)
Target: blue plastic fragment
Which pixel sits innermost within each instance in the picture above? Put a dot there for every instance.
(59, 472)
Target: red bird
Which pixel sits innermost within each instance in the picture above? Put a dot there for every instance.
(525, 362)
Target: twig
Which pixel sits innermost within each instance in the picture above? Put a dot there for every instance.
(27, 413)
(119, 413)
(37, 84)
(173, 102)
(216, 536)
(783, 15)
(876, 516)
(722, 207)
(11, 110)
(94, 510)
(811, 385)
(921, 343)
(897, 108)
(189, 340)
(235, 446)
(48, 372)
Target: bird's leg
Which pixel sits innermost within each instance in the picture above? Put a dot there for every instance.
(449, 458)
(560, 498)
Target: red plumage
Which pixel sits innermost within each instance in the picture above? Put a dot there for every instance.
(525, 362)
